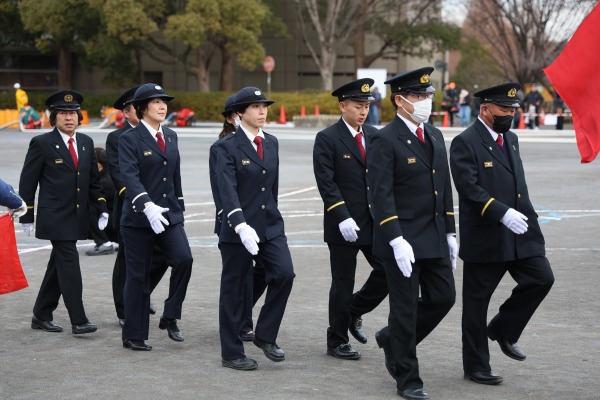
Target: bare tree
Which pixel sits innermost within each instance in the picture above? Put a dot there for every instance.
(332, 22)
(525, 36)
(407, 27)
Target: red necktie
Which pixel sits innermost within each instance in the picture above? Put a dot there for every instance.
(73, 152)
(160, 142)
(420, 134)
(499, 140)
(259, 148)
(358, 137)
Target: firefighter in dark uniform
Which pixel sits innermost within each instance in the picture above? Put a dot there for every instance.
(414, 230)
(255, 281)
(247, 176)
(339, 161)
(499, 232)
(159, 264)
(152, 214)
(63, 163)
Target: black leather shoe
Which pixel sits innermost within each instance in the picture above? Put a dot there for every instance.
(152, 309)
(247, 337)
(416, 394)
(356, 329)
(343, 351)
(138, 345)
(512, 350)
(172, 329)
(47, 326)
(484, 377)
(387, 351)
(242, 364)
(271, 350)
(122, 322)
(88, 327)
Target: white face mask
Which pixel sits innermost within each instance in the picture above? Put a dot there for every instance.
(422, 110)
(237, 120)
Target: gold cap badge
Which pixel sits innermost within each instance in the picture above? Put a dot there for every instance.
(68, 98)
(424, 78)
(365, 88)
(512, 92)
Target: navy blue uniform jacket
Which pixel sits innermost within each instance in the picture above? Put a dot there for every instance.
(150, 176)
(340, 172)
(8, 197)
(66, 192)
(488, 185)
(248, 184)
(411, 195)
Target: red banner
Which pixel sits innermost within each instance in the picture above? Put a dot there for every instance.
(12, 277)
(575, 77)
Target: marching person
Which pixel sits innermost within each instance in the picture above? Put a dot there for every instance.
(153, 208)
(499, 233)
(339, 161)
(8, 198)
(63, 163)
(159, 265)
(255, 281)
(247, 178)
(414, 228)
(103, 238)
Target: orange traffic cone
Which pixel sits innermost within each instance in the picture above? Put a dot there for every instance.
(521, 121)
(317, 112)
(282, 119)
(542, 117)
(445, 123)
(303, 111)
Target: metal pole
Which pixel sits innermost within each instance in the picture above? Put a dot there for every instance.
(269, 85)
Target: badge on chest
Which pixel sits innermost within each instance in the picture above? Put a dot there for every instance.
(245, 162)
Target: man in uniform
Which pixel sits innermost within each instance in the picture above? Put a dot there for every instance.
(414, 228)
(159, 264)
(64, 165)
(499, 233)
(339, 161)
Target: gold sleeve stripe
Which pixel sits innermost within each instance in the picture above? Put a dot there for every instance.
(449, 213)
(335, 205)
(486, 206)
(388, 220)
(122, 190)
(102, 199)
(29, 206)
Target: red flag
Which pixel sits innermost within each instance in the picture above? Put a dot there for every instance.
(12, 277)
(575, 77)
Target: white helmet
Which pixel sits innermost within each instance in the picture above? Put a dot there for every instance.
(17, 85)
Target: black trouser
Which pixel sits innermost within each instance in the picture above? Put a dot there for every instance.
(534, 279)
(412, 318)
(276, 260)
(139, 245)
(157, 269)
(343, 305)
(63, 277)
(254, 288)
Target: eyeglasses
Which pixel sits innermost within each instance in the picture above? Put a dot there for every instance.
(420, 96)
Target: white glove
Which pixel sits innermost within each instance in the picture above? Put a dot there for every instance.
(515, 221)
(103, 221)
(27, 229)
(453, 247)
(19, 212)
(349, 228)
(154, 215)
(249, 237)
(403, 253)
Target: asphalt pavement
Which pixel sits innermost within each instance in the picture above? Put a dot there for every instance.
(562, 341)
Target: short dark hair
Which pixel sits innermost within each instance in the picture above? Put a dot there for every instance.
(101, 156)
(393, 98)
(55, 112)
(141, 107)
